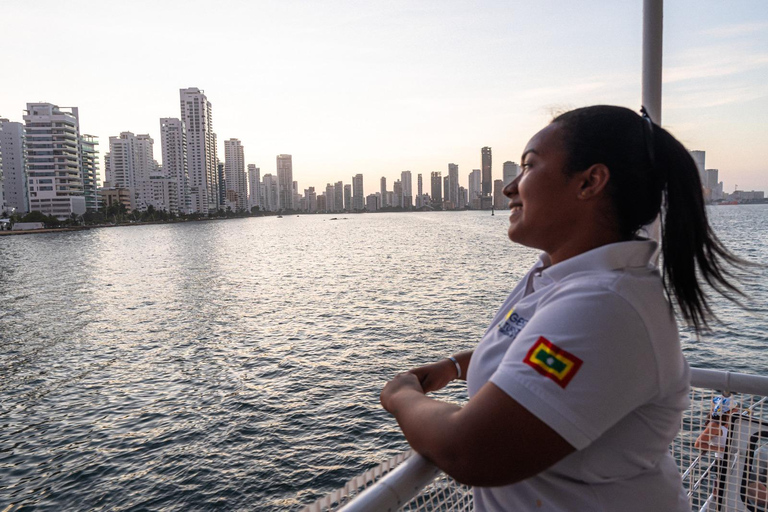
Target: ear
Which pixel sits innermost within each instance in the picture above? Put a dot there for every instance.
(593, 180)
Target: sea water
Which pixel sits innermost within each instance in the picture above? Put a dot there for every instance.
(237, 364)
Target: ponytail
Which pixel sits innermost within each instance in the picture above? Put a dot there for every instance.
(651, 174)
(687, 240)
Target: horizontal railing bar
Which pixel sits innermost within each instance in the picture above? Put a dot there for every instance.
(729, 382)
(397, 488)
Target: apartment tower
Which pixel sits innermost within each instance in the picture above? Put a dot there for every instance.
(196, 114)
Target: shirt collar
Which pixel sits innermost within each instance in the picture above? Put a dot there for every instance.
(632, 254)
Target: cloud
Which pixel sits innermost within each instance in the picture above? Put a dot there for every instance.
(706, 63)
(733, 30)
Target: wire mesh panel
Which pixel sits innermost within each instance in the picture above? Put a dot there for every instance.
(722, 452)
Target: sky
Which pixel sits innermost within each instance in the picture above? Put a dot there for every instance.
(382, 87)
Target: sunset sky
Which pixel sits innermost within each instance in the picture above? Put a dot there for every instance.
(382, 87)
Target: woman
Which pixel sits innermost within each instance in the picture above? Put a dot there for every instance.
(578, 386)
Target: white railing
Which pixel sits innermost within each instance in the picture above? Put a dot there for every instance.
(730, 479)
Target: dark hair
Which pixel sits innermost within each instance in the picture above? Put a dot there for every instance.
(650, 171)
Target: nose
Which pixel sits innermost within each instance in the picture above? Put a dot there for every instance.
(510, 189)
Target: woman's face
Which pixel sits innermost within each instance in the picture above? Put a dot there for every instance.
(543, 200)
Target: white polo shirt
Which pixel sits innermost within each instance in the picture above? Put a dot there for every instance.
(590, 347)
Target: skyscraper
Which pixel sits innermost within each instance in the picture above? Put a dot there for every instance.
(284, 182)
(339, 196)
(14, 171)
(130, 164)
(453, 185)
(397, 194)
(173, 147)
(202, 163)
(357, 193)
(269, 191)
(473, 186)
(437, 194)
(234, 173)
(499, 199)
(384, 193)
(330, 195)
(511, 170)
(487, 176)
(55, 175)
(254, 186)
(89, 163)
(407, 181)
(699, 157)
(348, 198)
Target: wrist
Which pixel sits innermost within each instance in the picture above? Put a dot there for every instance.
(456, 366)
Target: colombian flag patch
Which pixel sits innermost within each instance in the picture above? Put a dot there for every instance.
(551, 361)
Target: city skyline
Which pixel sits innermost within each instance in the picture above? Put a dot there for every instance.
(357, 91)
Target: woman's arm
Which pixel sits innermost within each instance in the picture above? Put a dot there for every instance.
(437, 375)
(491, 441)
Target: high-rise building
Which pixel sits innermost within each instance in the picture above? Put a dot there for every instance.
(89, 162)
(474, 188)
(372, 202)
(699, 157)
(339, 196)
(330, 194)
(269, 193)
(234, 174)
(407, 181)
(14, 172)
(384, 193)
(129, 164)
(285, 182)
(487, 175)
(222, 183)
(173, 142)
(511, 170)
(202, 163)
(348, 198)
(311, 198)
(357, 193)
(397, 194)
(499, 199)
(53, 160)
(420, 185)
(462, 197)
(446, 203)
(453, 185)
(254, 184)
(437, 193)
(321, 203)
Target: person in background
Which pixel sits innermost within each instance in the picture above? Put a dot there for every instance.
(577, 387)
(714, 437)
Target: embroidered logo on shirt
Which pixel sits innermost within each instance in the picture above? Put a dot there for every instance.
(551, 361)
(512, 324)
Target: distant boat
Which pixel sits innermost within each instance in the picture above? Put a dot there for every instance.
(279, 216)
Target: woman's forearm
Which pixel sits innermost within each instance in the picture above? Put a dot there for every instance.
(428, 425)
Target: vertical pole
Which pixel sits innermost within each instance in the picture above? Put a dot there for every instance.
(653, 23)
(653, 31)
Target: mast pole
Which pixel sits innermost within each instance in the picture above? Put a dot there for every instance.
(653, 32)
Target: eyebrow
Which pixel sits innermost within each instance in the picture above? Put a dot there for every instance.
(522, 158)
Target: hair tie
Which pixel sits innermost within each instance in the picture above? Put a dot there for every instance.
(648, 136)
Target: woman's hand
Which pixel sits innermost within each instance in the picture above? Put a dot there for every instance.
(402, 383)
(436, 375)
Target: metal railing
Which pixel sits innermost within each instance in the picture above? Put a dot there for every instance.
(727, 478)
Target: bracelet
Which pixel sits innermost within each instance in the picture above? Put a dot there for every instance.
(458, 366)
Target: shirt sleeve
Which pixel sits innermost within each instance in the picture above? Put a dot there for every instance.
(581, 364)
